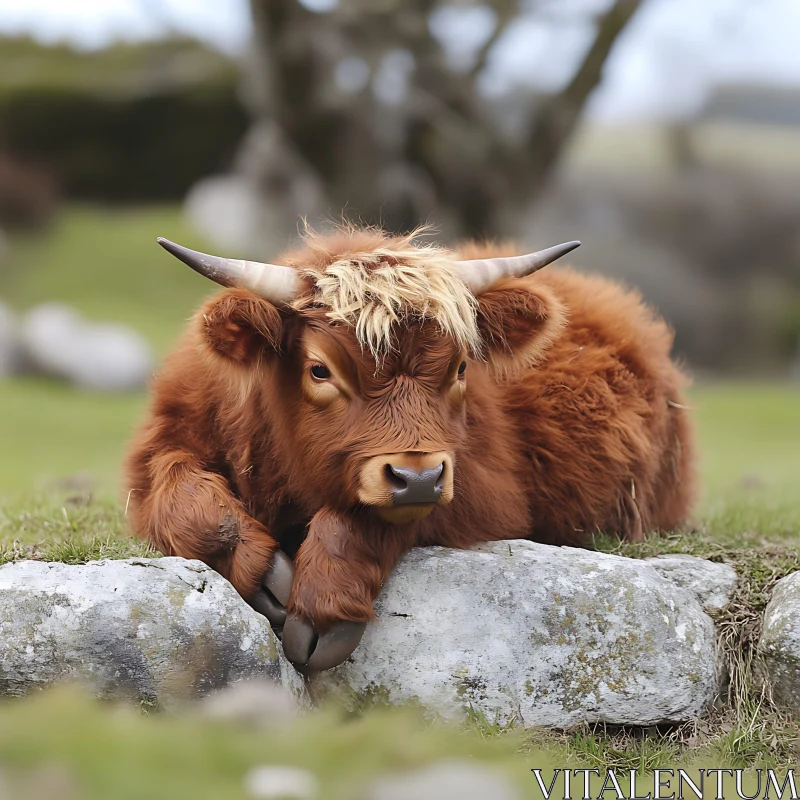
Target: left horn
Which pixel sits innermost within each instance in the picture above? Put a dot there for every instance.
(480, 274)
(279, 285)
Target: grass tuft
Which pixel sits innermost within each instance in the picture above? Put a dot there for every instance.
(71, 528)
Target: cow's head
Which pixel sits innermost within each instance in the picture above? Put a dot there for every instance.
(362, 348)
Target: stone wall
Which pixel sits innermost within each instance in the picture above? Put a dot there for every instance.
(512, 631)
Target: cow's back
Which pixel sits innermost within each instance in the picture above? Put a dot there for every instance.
(602, 419)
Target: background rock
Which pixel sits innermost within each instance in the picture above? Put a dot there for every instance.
(541, 635)
(58, 342)
(779, 645)
(10, 355)
(157, 630)
(259, 704)
(274, 782)
(711, 583)
(226, 208)
(446, 780)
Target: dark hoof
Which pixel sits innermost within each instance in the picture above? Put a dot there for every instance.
(336, 645)
(276, 586)
(299, 640)
(310, 652)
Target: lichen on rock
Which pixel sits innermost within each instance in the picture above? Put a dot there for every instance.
(509, 632)
(159, 631)
(779, 645)
(522, 632)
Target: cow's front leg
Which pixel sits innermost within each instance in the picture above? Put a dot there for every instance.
(339, 570)
(187, 511)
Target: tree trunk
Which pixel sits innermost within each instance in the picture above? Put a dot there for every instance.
(557, 121)
(438, 155)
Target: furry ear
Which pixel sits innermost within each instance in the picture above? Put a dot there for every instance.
(518, 322)
(241, 326)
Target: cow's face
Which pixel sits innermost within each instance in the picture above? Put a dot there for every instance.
(382, 431)
(365, 376)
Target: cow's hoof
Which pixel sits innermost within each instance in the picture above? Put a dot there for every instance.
(336, 645)
(310, 652)
(273, 594)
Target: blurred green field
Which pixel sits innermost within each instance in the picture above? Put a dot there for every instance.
(764, 148)
(62, 746)
(749, 435)
(107, 264)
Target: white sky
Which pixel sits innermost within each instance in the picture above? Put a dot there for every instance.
(663, 65)
(93, 23)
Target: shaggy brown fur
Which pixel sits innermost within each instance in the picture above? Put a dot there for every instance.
(568, 420)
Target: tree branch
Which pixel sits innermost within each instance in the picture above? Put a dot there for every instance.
(505, 13)
(559, 117)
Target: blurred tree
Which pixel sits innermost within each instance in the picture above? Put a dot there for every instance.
(361, 105)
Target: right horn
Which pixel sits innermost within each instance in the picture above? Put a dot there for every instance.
(480, 274)
(279, 285)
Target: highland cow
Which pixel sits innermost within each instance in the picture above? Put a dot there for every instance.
(374, 394)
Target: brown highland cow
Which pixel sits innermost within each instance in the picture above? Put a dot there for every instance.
(375, 394)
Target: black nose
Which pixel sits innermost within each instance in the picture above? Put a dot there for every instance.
(410, 486)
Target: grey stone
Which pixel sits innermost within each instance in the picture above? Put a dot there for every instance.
(540, 635)
(255, 703)
(257, 205)
(58, 342)
(779, 646)
(275, 782)
(225, 209)
(512, 630)
(711, 583)
(445, 780)
(157, 630)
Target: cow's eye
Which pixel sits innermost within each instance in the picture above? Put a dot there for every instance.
(320, 372)
(462, 367)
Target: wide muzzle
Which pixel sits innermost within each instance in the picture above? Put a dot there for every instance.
(405, 487)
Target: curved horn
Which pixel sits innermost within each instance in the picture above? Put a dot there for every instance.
(480, 274)
(279, 285)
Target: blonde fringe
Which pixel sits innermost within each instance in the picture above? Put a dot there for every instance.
(393, 281)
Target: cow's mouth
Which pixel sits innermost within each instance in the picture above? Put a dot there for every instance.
(402, 515)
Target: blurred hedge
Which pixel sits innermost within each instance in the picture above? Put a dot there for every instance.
(134, 122)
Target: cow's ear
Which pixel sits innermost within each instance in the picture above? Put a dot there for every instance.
(241, 326)
(518, 322)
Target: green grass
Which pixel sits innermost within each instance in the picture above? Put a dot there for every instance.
(61, 498)
(60, 445)
(107, 264)
(53, 435)
(750, 436)
(100, 752)
(72, 527)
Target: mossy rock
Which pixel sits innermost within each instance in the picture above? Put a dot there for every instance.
(537, 635)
